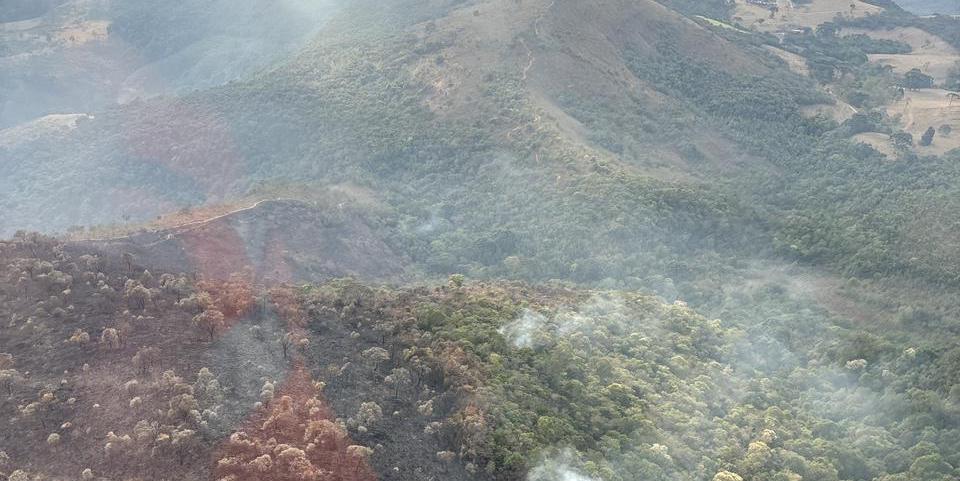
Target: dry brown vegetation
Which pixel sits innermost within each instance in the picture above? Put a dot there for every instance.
(809, 15)
(922, 109)
(930, 54)
(136, 374)
(97, 344)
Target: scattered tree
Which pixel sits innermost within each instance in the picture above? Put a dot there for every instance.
(8, 377)
(145, 358)
(79, 337)
(369, 414)
(398, 378)
(110, 338)
(209, 321)
(902, 139)
(374, 356)
(915, 79)
(358, 455)
(447, 458)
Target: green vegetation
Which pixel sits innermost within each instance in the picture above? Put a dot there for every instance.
(841, 367)
(943, 26)
(718, 23)
(707, 8)
(640, 388)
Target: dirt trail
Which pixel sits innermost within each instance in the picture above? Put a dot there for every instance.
(841, 102)
(531, 58)
(185, 226)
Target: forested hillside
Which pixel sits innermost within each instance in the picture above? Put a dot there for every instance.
(84, 56)
(479, 239)
(122, 373)
(642, 146)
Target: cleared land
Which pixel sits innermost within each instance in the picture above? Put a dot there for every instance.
(931, 54)
(929, 108)
(880, 142)
(789, 15)
(936, 66)
(83, 32)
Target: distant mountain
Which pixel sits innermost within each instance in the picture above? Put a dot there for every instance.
(540, 139)
(80, 56)
(461, 117)
(523, 169)
(931, 7)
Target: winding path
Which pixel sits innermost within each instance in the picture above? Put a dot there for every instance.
(536, 31)
(186, 226)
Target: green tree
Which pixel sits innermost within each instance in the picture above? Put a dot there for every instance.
(902, 139)
(915, 79)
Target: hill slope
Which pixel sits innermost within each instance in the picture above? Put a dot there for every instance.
(133, 373)
(477, 141)
(82, 56)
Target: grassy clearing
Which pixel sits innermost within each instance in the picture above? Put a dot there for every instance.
(929, 108)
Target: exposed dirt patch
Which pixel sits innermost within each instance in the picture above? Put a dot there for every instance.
(839, 111)
(21, 25)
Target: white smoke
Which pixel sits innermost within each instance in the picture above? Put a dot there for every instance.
(521, 331)
(559, 468)
(533, 329)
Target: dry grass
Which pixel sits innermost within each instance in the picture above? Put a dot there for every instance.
(931, 54)
(83, 32)
(50, 125)
(929, 108)
(473, 36)
(792, 16)
(880, 142)
(934, 65)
